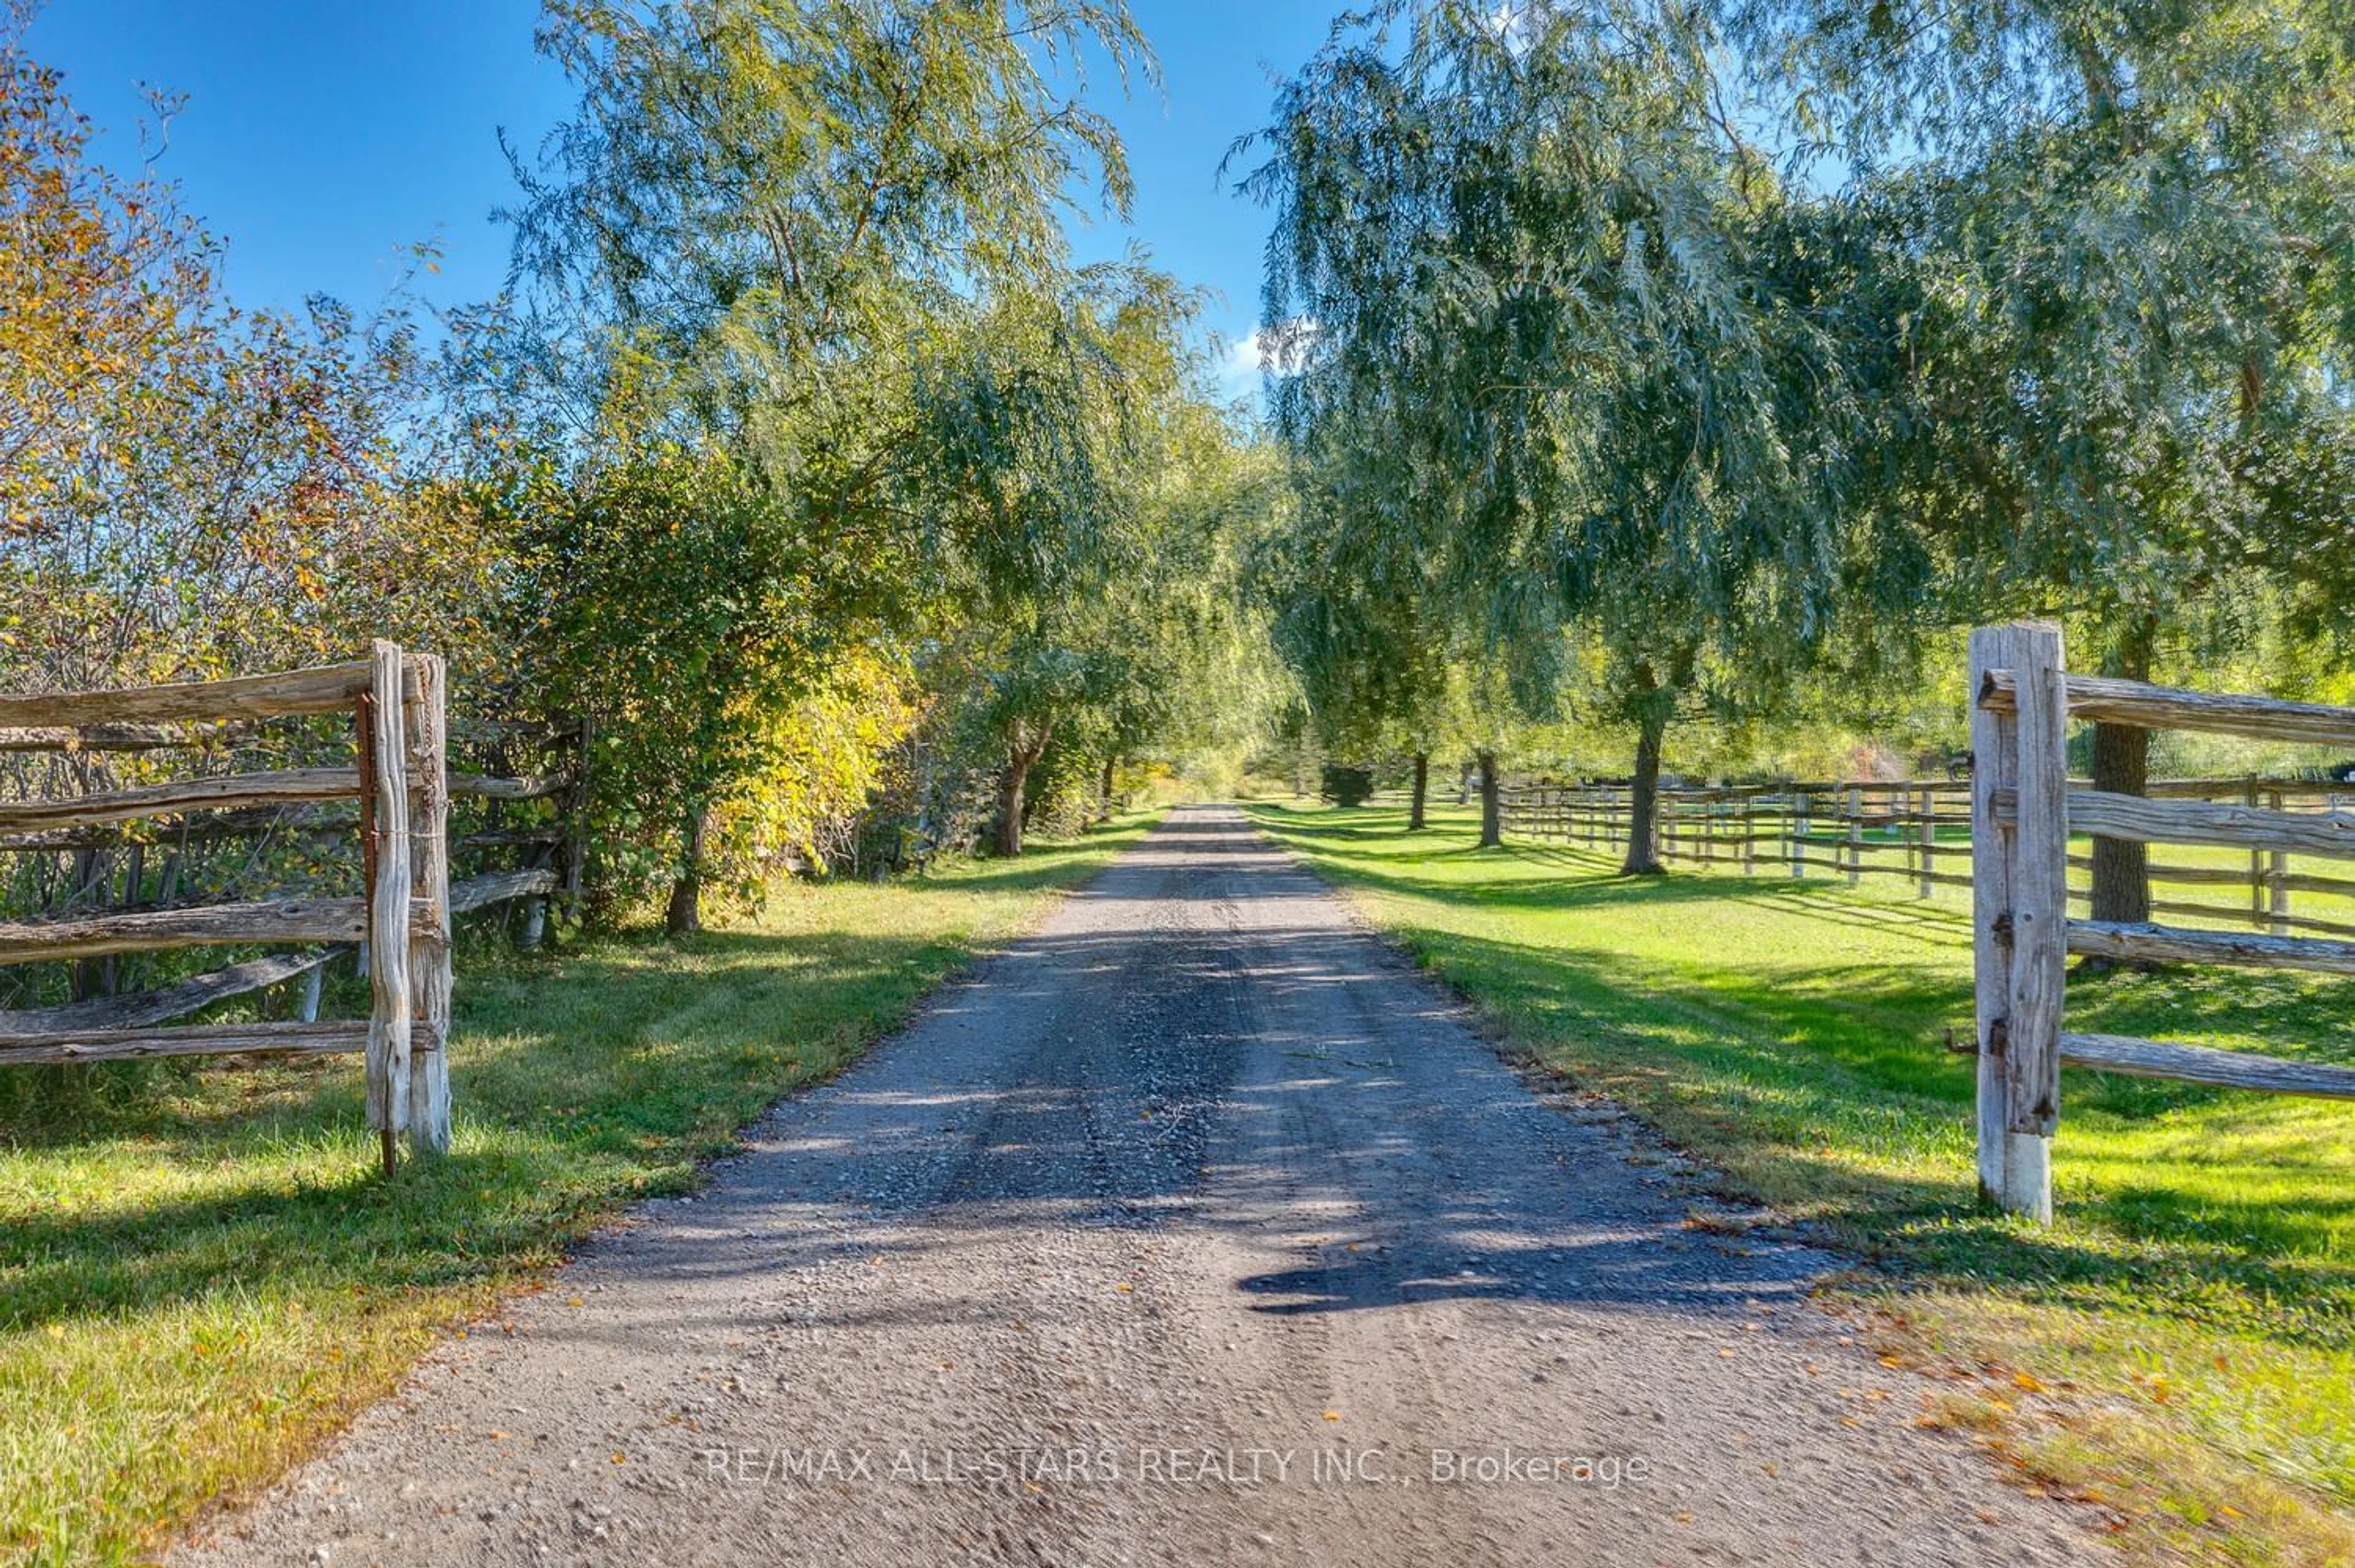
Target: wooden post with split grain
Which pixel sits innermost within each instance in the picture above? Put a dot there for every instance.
(2019, 910)
(383, 780)
(2040, 924)
(1995, 768)
(430, 979)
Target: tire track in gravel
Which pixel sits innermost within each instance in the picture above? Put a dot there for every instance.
(1194, 1229)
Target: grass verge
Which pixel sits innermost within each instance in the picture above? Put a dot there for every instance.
(201, 1280)
(2180, 1344)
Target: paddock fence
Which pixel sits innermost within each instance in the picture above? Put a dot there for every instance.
(1918, 834)
(2023, 811)
(106, 886)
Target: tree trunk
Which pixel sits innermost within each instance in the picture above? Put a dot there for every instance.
(1009, 802)
(686, 912)
(1643, 798)
(1106, 810)
(2121, 866)
(1415, 821)
(1492, 827)
(2122, 764)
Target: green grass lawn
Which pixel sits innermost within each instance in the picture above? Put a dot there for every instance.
(201, 1272)
(2180, 1342)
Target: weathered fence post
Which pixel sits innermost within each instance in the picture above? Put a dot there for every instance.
(2019, 910)
(1995, 767)
(1855, 834)
(2039, 922)
(2256, 860)
(429, 953)
(1929, 840)
(2277, 883)
(384, 781)
(576, 844)
(1799, 829)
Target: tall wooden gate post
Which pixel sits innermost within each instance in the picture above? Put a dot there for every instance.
(430, 979)
(2019, 911)
(1995, 767)
(384, 781)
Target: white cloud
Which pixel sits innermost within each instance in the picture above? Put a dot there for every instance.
(1238, 367)
(1279, 351)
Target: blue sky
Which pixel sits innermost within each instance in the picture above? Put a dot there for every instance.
(320, 139)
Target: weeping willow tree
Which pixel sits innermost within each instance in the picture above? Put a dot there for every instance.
(2108, 256)
(1359, 622)
(1530, 280)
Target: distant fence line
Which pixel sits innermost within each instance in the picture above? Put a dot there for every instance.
(1918, 830)
(2004, 835)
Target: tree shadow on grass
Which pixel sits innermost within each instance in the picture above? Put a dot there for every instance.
(1774, 1064)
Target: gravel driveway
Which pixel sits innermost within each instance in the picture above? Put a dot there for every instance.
(1194, 1230)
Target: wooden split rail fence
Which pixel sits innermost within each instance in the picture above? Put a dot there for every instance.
(2023, 810)
(402, 920)
(1917, 831)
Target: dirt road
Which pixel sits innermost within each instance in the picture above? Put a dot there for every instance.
(1195, 1229)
